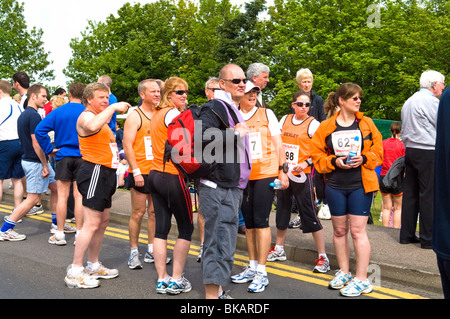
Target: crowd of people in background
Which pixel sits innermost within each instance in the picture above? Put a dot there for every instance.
(325, 151)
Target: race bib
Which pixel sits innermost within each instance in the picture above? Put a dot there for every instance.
(342, 141)
(255, 145)
(148, 148)
(115, 155)
(291, 154)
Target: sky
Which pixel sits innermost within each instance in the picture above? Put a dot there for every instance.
(63, 20)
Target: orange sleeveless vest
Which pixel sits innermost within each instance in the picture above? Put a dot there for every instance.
(100, 148)
(264, 156)
(297, 135)
(142, 143)
(158, 133)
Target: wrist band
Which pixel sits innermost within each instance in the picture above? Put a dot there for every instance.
(136, 172)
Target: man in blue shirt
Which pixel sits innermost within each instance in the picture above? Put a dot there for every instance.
(39, 174)
(63, 121)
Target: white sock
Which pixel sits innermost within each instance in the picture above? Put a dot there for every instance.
(134, 249)
(93, 265)
(279, 247)
(261, 269)
(324, 256)
(253, 264)
(150, 248)
(59, 234)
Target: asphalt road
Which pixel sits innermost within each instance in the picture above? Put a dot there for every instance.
(34, 269)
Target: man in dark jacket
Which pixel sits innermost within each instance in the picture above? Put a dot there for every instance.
(225, 142)
(441, 215)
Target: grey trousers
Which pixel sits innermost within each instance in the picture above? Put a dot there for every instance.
(220, 209)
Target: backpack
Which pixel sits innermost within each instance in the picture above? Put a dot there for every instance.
(180, 145)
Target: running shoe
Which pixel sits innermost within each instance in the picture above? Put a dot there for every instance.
(199, 257)
(67, 229)
(53, 240)
(225, 295)
(148, 257)
(133, 261)
(247, 275)
(161, 286)
(357, 287)
(11, 235)
(7, 217)
(340, 280)
(259, 283)
(178, 286)
(275, 255)
(322, 265)
(36, 210)
(102, 272)
(296, 223)
(80, 279)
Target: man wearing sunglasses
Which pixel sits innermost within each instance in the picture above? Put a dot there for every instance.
(221, 192)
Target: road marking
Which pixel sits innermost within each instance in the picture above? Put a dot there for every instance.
(275, 268)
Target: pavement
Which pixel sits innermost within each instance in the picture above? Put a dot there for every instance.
(408, 265)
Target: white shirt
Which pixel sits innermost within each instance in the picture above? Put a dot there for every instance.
(10, 111)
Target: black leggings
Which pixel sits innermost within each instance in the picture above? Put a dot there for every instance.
(171, 197)
(257, 203)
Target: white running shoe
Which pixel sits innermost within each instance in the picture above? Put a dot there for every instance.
(80, 279)
(356, 287)
(11, 235)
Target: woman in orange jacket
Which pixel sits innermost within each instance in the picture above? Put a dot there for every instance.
(350, 182)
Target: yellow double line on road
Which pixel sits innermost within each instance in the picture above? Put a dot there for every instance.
(275, 268)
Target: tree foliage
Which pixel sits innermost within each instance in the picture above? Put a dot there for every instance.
(382, 45)
(20, 49)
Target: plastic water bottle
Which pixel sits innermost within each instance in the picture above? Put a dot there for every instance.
(353, 150)
(276, 184)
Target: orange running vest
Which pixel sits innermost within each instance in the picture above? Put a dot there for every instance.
(158, 132)
(142, 146)
(297, 135)
(264, 155)
(100, 148)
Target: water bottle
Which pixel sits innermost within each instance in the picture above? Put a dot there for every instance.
(353, 150)
(276, 184)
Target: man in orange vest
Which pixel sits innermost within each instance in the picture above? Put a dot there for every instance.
(97, 183)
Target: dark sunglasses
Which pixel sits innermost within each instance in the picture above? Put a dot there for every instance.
(238, 81)
(357, 98)
(213, 89)
(181, 92)
(301, 104)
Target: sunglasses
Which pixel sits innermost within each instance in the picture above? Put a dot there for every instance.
(357, 98)
(301, 104)
(238, 81)
(213, 89)
(181, 92)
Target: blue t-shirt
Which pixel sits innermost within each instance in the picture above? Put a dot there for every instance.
(26, 124)
(63, 121)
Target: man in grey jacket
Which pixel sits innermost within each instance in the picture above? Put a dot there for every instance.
(419, 116)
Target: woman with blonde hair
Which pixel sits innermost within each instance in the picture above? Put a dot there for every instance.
(350, 182)
(169, 193)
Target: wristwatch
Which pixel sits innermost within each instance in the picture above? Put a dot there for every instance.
(309, 162)
(284, 168)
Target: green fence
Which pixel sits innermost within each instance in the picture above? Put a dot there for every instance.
(384, 127)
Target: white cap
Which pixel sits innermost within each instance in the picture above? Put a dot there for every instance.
(250, 86)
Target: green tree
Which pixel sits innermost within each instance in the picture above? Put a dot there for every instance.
(20, 49)
(135, 45)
